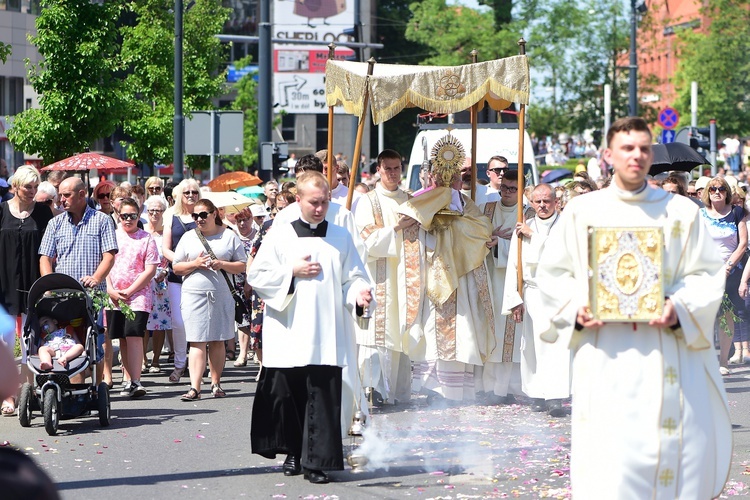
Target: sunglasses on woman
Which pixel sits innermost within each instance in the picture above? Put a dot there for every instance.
(717, 189)
(201, 215)
(128, 216)
(190, 193)
(155, 189)
(101, 196)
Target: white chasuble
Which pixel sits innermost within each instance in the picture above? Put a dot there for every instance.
(650, 416)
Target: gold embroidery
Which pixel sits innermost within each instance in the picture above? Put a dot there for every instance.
(509, 338)
(671, 375)
(450, 86)
(677, 229)
(489, 209)
(445, 319)
(669, 426)
(367, 231)
(380, 274)
(412, 271)
(483, 291)
(666, 477)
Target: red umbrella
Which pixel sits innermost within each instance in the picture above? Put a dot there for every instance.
(84, 162)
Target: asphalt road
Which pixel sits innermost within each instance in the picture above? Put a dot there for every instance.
(161, 447)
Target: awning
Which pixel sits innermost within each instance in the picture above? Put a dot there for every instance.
(439, 89)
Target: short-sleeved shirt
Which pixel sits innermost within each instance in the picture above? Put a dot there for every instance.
(226, 245)
(724, 231)
(78, 248)
(137, 251)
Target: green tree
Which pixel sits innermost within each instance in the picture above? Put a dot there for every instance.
(5, 51)
(719, 61)
(80, 97)
(247, 102)
(452, 32)
(148, 55)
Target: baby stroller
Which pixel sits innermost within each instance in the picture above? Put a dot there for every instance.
(64, 299)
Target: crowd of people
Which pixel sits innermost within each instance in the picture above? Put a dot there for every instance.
(431, 292)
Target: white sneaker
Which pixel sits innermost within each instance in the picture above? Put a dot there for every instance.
(724, 370)
(126, 388)
(137, 390)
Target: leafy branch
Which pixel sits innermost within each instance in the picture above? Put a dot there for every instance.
(727, 310)
(102, 300)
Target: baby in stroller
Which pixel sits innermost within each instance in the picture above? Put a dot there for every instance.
(60, 343)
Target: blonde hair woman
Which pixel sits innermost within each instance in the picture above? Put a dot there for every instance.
(180, 220)
(22, 225)
(154, 187)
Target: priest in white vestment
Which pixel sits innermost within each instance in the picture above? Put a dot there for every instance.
(545, 367)
(308, 273)
(501, 374)
(650, 416)
(449, 341)
(390, 241)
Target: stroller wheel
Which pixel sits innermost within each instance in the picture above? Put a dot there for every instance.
(103, 404)
(51, 411)
(24, 405)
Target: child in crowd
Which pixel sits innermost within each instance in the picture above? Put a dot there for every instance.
(60, 343)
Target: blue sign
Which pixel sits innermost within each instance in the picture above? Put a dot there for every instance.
(234, 74)
(669, 118)
(668, 136)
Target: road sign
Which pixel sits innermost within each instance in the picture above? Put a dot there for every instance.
(669, 118)
(668, 136)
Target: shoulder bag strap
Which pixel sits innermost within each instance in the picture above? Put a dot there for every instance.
(213, 256)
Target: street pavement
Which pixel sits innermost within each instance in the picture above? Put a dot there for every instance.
(161, 447)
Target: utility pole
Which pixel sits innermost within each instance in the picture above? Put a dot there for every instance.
(633, 87)
(178, 157)
(265, 81)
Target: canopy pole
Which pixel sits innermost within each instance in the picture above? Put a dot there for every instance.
(360, 132)
(474, 112)
(521, 130)
(331, 56)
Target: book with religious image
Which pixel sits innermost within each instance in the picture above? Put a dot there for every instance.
(625, 273)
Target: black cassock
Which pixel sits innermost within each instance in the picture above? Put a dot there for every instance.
(298, 410)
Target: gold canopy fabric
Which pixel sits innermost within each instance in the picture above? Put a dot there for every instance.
(439, 89)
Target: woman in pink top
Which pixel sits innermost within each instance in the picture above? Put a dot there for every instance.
(128, 282)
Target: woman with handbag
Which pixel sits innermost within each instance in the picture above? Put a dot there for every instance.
(203, 257)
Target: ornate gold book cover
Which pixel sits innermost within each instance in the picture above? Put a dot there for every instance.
(626, 273)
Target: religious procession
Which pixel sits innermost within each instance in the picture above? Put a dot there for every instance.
(592, 301)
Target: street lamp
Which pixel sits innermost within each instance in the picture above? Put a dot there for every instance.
(636, 7)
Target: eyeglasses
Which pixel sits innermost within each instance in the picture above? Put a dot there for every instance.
(717, 189)
(155, 189)
(201, 215)
(154, 211)
(503, 187)
(101, 196)
(128, 216)
(190, 193)
(692, 193)
(498, 171)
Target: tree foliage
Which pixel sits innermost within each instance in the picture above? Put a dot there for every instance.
(148, 55)
(5, 51)
(453, 31)
(719, 61)
(80, 97)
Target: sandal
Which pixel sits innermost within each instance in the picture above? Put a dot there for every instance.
(154, 369)
(217, 391)
(8, 408)
(176, 374)
(241, 361)
(230, 355)
(191, 395)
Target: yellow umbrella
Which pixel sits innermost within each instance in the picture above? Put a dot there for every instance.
(229, 200)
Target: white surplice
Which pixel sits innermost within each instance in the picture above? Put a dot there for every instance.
(650, 416)
(501, 377)
(545, 367)
(382, 363)
(340, 193)
(313, 325)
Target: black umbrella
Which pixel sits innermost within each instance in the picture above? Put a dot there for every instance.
(675, 156)
(556, 175)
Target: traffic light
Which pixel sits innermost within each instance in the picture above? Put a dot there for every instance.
(272, 155)
(700, 138)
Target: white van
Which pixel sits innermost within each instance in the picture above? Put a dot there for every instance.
(492, 139)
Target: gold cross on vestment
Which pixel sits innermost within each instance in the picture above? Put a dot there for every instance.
(666, 477)
(676, 229)
(671, 375)
(669, 425)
